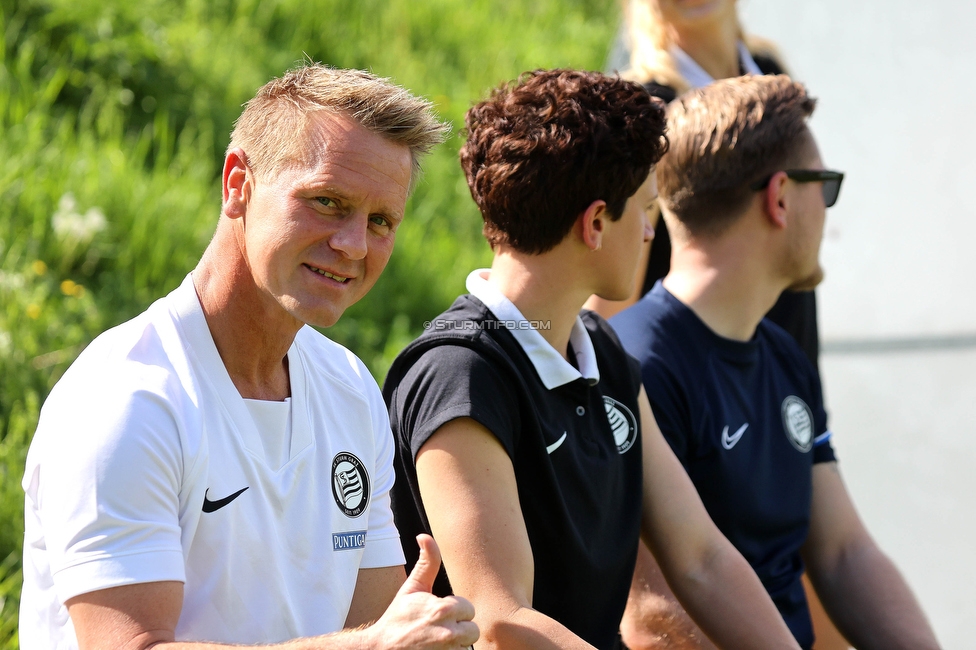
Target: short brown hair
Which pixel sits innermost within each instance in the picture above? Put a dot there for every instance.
(268, 129)
(724, 137)
(540, 150)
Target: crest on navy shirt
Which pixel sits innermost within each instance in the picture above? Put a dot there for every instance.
(350, 484)
(622, 423)
(798, 423)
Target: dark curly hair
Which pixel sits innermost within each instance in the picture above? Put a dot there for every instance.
(540, 150)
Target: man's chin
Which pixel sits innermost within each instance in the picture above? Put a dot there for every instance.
(316, 316)
(613, 296)
(322, 320)
(808, 283)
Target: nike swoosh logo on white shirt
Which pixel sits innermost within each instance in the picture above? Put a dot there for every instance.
(556, 445)
(729, 441)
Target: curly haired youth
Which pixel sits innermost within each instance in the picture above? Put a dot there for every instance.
(540, 150)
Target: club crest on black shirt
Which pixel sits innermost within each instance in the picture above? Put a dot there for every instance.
(622, 423)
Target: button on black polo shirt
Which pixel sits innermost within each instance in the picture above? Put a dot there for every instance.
(573, 436)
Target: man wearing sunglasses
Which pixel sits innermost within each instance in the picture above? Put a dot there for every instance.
(744, 193)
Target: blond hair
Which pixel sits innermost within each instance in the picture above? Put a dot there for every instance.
(650, 41)
(269, 130)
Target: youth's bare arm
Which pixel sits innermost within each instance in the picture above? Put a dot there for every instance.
(860, 588)
(468, 486)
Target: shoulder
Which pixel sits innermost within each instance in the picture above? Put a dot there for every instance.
(672, 346)
(606, 342)
(786, 352)
(333, 363)
(774, 337)
(457, 368)
(337, 389)
(601, 333)
(128, 395)
(143, 355)
(465, 336)
(620, 372)
(650, 323)
(667, 94)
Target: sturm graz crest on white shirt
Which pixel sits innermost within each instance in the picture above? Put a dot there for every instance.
(622, 423)
(798, 423)
(350, 484)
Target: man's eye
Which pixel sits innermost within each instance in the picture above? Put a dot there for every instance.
(378, 220)
(326, 201)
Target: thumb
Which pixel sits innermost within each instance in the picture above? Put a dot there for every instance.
(426, 568)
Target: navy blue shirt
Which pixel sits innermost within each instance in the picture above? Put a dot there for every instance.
(746, 419)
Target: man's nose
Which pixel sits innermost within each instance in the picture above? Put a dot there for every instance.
(350, 237)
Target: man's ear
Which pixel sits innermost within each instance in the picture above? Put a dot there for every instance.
(593, 222)
(775, 200)
(237, 180)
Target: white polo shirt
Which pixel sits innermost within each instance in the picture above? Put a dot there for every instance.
(148, 466)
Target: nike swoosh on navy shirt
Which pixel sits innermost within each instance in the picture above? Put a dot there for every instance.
(729, 441)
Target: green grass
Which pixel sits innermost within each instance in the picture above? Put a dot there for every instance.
(113, 119)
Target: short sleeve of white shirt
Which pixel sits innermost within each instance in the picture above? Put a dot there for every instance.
(112, 484)
(383, 539)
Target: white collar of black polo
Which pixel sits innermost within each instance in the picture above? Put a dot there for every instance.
(553, 369)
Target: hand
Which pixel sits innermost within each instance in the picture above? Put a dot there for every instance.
(418, 619)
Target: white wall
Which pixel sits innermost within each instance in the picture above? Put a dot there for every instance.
(897, 112)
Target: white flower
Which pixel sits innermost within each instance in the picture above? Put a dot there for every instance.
(11, 281)
(95, 220)
(69, 224)
(67, 204)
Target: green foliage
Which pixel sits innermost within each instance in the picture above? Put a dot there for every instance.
(113, 119)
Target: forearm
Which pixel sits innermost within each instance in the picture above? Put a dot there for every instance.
(657, 622)
(870, 602)
(524, 628)
(654, 619)
(726, 599)
(860, 588)
(359, 639)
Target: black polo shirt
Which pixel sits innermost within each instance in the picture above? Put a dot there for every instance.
(573, 437)
(746, 419)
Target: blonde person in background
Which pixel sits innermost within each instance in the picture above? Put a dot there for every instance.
(671, 46)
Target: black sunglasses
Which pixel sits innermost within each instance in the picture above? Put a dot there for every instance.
(831, 181)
